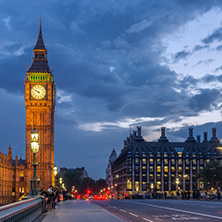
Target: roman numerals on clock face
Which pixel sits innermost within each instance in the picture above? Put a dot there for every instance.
(38, 91)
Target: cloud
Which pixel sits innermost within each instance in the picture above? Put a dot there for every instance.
(206, 62)
(205, 100)
(181, 55)
(6, 21)
(140, 26)
(216, 35)
(199, 47)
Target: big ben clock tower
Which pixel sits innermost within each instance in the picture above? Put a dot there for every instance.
(40, 107)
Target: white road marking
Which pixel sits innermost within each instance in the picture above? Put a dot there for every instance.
(123, 210)
(114, 207)
(174, 209)
(133, 214)
(147, 219)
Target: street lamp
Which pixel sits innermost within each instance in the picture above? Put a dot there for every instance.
(35, 150)
(60, 180)
(177, 183)
(55, 173)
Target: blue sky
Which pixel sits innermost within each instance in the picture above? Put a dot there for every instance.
(116, 63)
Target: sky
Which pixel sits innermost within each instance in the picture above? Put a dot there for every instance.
(116, 63)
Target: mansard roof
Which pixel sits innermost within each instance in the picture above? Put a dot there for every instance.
(134, 148)
(39, 66)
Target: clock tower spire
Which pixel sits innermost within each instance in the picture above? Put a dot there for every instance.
(40, 107)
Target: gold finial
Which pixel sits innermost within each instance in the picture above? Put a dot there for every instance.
(40, 20)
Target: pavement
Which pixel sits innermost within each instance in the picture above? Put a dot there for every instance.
(80, 211)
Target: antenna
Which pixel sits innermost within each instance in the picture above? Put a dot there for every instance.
(130, 128)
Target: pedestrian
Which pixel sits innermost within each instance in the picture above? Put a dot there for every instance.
(194, 194)
(218, 193)
(198, 194)
(64, 195)
(165, 194)
(50, 197)
(188, 194)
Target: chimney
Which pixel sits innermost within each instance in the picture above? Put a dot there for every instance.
(191, 139)
(198, 138)
(163, 137)
(128, 140)
(214, 135)
(139, 131)
(214, 132)
(205, 136)
(163, 131)
(191, 132)
(134, 134)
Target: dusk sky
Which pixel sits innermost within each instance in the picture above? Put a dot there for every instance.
(115, 63)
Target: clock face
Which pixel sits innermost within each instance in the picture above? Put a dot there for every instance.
(38, 91)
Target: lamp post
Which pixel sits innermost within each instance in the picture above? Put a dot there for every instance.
(177, 183)
(35, 150)
(55, 173)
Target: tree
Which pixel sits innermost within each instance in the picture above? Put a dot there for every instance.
(211, 175)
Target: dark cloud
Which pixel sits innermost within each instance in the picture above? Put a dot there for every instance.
(216, 35)
(181, 55)
(199, 47)
(206, 62)
(219, 48)
(205, 100)
(106, 58)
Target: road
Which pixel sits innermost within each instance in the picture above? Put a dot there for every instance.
(164, 210)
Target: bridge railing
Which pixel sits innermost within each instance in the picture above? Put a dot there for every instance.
(25, 210)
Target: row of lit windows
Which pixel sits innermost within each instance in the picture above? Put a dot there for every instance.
(166, 161)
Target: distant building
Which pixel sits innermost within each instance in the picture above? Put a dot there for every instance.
(82, 170)
(12, 178)
(156, 166)
(109, 170)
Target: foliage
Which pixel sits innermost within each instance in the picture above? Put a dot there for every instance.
(211, 175)
(82, 184)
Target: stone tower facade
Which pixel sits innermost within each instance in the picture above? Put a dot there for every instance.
(40, 107)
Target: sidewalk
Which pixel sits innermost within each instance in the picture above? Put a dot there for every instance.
(80, 211)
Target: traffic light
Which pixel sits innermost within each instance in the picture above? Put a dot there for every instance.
(108, 192)
(88, 191)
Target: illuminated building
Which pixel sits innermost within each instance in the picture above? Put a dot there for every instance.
(163, 166)
(40, 107)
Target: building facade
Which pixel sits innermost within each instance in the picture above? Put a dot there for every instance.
(40, 107)
(12, 178)
(163, 166)
(109, 170)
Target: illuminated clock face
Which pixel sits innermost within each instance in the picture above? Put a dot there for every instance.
(38, 91)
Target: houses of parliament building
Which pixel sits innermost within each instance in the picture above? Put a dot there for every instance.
(15, 174)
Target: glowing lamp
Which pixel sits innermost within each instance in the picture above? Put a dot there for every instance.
(34, 141)
(55, 170)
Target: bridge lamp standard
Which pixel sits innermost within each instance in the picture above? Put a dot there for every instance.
(55, 173)
(35, 150)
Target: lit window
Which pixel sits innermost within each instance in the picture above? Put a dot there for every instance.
(144, 161)
(158, 169)
(166, 169)
(151, 169)
(129, 185)
(151, 161)
(137, 187)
